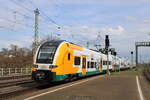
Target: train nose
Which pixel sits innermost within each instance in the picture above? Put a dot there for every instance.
(41, 75)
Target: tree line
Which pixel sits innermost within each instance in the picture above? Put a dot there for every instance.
(15, 56)
(19, 57)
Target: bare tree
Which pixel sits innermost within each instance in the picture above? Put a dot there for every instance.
(4, 52)
(13, 49)
(15, 57)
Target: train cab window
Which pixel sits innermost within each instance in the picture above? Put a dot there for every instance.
(46, 54)
(68, 56)
(77, 61)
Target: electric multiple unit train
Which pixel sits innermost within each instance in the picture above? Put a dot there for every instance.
(61, 60)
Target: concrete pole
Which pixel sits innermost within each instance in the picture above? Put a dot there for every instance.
(36, 37)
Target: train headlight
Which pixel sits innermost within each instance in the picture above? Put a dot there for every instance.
(52, 66)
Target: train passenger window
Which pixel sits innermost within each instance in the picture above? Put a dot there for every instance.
(92, 64)
(103, 62)
(68, 56)
(109, 62)
(88, 64)
(77, 61)
(95, 65)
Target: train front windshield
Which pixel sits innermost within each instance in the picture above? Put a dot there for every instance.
(46, 54)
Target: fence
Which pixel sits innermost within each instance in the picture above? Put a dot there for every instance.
(147, 72)
(14, 71)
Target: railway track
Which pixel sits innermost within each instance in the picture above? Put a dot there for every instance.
(23, 88)
(15, 82)
(11, 91)
(20, 89)
(7, 93)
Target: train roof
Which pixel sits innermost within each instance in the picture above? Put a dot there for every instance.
(53, 42)
(58, 42)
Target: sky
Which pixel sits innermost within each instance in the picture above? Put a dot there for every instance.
(125, 21)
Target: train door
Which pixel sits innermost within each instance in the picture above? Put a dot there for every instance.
(101, 65)
(83, 65)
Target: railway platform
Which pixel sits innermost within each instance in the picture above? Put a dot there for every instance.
(120, 86)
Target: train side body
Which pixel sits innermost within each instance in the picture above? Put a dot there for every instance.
(61, 60)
